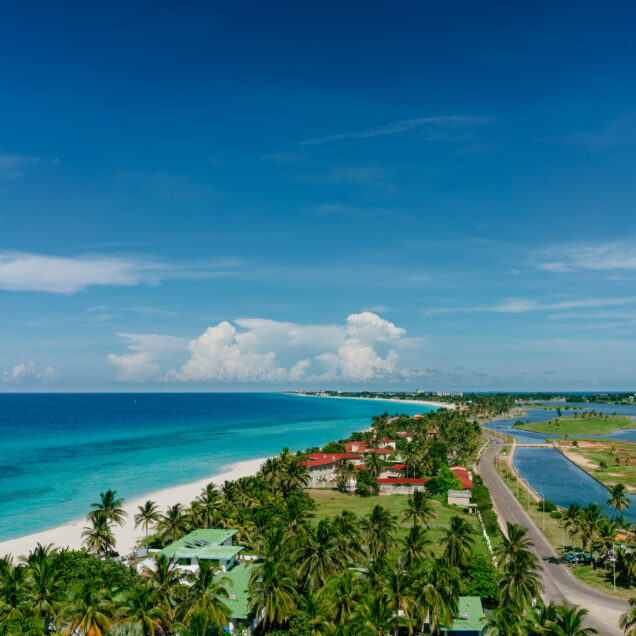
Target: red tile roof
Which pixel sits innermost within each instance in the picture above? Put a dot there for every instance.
(465, 476)
(379, 450)
(402, 480)
(396, 467)
(324, 459)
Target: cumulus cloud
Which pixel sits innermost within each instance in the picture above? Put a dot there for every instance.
(256, 350)
(147, 351)
(28, 371)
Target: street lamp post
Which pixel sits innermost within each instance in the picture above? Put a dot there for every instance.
(562, 532)
(543, 507)
(614, 562)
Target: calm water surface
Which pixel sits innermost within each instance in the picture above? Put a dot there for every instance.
(549, 472)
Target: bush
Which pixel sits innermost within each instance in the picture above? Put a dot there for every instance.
(479, 579)
(334, 447)
(555, 514)
(489, 517)
(366, 485)
(549, 506)
(80, 565)
(446, 480)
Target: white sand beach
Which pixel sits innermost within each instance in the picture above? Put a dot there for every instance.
(438, 405)
(70, 534)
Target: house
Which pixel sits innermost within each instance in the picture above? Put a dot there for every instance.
(460, 498)
(394, 470)
(322, 466)
(356, 447)
(206, 544)
(465, 476)
(387, 442)
(400, 485)
(385, 453)
(215, 545)
(407, 436)
(470, 619)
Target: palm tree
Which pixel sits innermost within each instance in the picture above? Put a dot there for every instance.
(272, 593)
(374, 617)
(111, 506)
(165, 579)
(147, 515)
(396, 586)
(14, 601)
(211, 508)
(379, 526)
(42, 580)
(589, 522)
(437, 597)
(414, 549)
(89, 611)
(458, 542)
(374, 464)
(618, 499)
(504, 621)
(420, 509)
(296, 476)
(628, 619)
(318, 557)
(98, 537)
(140, 608)
(346, 473)
(571, 520)
(514, 542)
(206, 595)
(173, 524)
(125, 629)
(410, 456)
(569, 621)
(341, 595)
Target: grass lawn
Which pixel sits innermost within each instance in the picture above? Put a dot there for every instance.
(599, 578)
(619, 459)
(577, 425)
(331, 502)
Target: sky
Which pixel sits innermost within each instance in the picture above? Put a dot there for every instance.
(209, 196)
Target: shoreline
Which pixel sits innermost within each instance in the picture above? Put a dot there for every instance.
(443, 405)
(70, 534)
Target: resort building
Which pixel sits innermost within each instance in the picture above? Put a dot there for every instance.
(215, 545)
(401, 485)
(470, 620)
(394, 470)
(322, 466)
(201, 545)
(465, 476)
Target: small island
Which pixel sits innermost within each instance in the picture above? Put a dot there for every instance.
(584, 424)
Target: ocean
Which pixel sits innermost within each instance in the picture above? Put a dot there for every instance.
(59, 451)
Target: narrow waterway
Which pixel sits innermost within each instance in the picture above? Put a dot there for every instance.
(549, 472)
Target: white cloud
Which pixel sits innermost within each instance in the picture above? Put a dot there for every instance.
(14, 166)
(402, 126)
(28, 371)
(20, 271)
(572, 257)
(253, 350)
(524, 305)
(148, 351)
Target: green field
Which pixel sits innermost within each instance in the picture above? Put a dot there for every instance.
(331, 502)
(577, 425)
(611, 461)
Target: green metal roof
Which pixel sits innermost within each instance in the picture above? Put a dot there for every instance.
(240, 576)
(213, 549)
(470, 616)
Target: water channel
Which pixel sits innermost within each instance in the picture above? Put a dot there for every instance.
(552, 475)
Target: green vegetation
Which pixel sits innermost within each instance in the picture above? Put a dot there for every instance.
(610, 461)
(584, 424)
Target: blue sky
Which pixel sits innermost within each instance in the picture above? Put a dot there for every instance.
(206, 196)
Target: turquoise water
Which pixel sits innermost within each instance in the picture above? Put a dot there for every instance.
(57, 452)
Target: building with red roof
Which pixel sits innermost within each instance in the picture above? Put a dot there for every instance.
(465, 476)
(401, 485)
(322, 466)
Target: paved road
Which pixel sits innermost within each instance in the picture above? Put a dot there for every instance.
(560, 584)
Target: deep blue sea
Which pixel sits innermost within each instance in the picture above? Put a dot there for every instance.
(58, 451)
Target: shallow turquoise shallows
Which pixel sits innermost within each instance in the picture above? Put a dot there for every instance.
(57, 452)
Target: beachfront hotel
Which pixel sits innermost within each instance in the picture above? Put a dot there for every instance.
(215, 545)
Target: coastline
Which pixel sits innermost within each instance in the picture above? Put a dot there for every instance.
(443, 405)
(70, 534)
